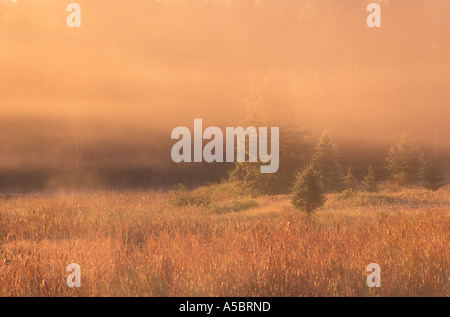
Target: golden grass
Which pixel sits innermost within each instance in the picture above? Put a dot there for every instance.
(137, 244)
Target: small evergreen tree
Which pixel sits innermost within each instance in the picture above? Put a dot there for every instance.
(405, 162)
(271, 103)
(350, 181)
(369, 182)
(250, 177)
(307, 191)
(433, 179)
(326, 162)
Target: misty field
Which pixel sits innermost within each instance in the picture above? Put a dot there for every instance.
(141, 244)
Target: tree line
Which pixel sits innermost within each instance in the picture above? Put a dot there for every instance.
(323, 173)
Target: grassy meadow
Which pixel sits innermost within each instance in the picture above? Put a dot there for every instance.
(90, 121)
(218, 241)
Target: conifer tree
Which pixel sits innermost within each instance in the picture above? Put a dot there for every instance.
(326, 162)
(405, 162)
(369, 181)
(433, 178)
(272, 104)
(307, 192)
(350, 181)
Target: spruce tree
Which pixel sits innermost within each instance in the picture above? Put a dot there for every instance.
(433, 178)
(369, 181)
(326, 162)
(405, 162)
(271, 104)
(350, 181)
(307, 192)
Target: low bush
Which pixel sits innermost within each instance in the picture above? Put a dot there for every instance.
(235, 206)
(184, 197)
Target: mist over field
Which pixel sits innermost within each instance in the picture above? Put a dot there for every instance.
(94, 107)
(92, 203)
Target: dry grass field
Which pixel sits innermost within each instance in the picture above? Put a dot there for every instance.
(98, 123)
(142, 244)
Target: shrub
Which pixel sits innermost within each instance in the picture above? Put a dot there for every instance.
(226, 190)
(184, 197)
(236, 205)
(346, 194)
(349, 198)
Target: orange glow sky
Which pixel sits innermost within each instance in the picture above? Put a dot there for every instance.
(147, 66)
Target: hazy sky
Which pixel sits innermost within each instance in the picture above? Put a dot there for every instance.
(138, 66)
